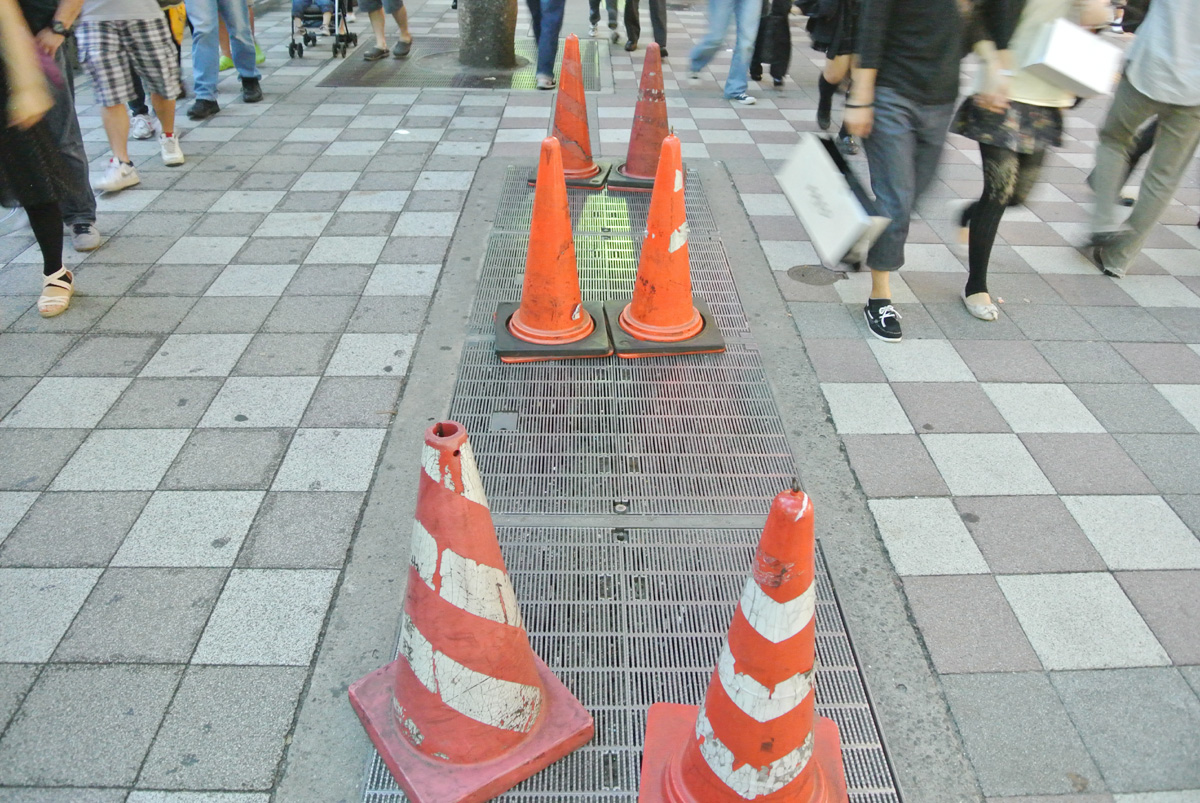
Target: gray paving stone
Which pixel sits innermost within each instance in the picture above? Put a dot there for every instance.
(197, 797)
(1094, 291)
(107, 355)
(135, 250)
(843, 361)
(329, 280)
(1081, 621)
(986, 465)
(56, 402)
(33, 457)
(309, 314)
(287, 355)
(352, 402)
(310, 201)
(61, 795)
(85, 311)
(1088, 362)
(162, 403)
(865, 408)
(1184, 796)
(67, 530)
(1172, 462)
(1163, 363)
(1049, 322)
(827, 321)
(197, 355)
(252, 280)
(142, 616)
(1192, 675)
(1188, 509)
(1128, 324)
(228, 460)
(176, 280)
(1081, 798)
(402, 280)
(1183, 323)
(346, 250)
(13, 506)
(1185, 399)
(1135, 532)
(32, 354)
(1141, 726)
(1086, 464)
(330, 460)
(203, 250)
(893, 465)
(414, 250)
(958, 324)
(226, 315)
(949, 407)
(189, 528)
(302, 531)
(373, 223)
(274, 250)
(371, 355)
(1169, 601)
(152, 314)
(151, 223)
(260, 401)
(384, 314)
(15, 680)
(926, 537)
(216, 224)
(1133, 408)
(1035, 751)
(38, 606)
(1005, 361)
(921, 361)
(121, 460)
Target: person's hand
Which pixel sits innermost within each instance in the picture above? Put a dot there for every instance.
(27, 105)
(48, 41)
(994, 95)
(859, 121)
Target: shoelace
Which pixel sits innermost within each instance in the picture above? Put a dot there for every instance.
(888, 311)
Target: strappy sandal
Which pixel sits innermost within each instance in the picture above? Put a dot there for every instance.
(49, 304)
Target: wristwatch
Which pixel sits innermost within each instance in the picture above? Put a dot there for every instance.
(57, 27)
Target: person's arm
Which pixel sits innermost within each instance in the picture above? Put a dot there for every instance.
(28, 98)
(66, 14)
(873, 19)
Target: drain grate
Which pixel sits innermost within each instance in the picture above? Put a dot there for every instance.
(629, 618)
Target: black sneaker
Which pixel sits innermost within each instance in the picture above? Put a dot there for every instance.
(823, 120)
(202, 109)
(631, 46)
(883, 320)
(251, 90)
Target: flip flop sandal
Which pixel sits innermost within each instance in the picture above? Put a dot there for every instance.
(374, 54)
(56, 304)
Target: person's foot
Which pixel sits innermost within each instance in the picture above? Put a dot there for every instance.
(614, 37)
(117, 176)
(85, 237)
(883, 320)
(756, 77)
(631, 46)
(374, 54)
(57, 289)
(777, 82)
(402, 49)
(251, 90)
(662, 51)
(594, 31)
(259, 55)
(351, 18)
(168, 146)
(1098, 258)
(744, 99)
(980, 305)
(224, 63)
(823, 119)
(202, 109)
(141, 127)
(545, 81)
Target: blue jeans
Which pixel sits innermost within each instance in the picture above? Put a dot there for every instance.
(205, 52)
(720, 12)
(79, 204)
(298, 6)
(547, 27)
(903, 150)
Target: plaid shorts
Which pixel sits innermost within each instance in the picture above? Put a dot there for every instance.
(112, 50)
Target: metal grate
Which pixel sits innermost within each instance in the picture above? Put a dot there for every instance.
(629, 618)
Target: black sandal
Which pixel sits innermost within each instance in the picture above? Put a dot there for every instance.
(374, 54)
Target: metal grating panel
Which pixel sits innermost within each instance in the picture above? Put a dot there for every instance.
(621, 636)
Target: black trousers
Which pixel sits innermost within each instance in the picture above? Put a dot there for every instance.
(658, 20)
(774, 42)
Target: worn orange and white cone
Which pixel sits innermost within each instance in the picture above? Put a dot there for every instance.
(663, 317)
(756, 737)
(571, 125)
(467, 710)
(551, 322)
(640, 167)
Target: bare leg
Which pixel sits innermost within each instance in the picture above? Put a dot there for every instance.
(116, 126)
(223, 38)
(881, 283)
(377, 20)
(165, 109)
(401, 17)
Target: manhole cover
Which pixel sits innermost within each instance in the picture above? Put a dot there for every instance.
(815, 274)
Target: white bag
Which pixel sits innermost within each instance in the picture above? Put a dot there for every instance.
(837, 213)
(1073, 59)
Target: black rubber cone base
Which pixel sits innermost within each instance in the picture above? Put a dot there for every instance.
(513, 349)
(623, 183)
(709, 341)
(596, 182)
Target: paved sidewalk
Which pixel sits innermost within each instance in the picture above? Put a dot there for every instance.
(186, 453)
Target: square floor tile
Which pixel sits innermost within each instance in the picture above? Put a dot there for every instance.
(121, 460)
(113, 710)
(15, 680)
(1126, 324)
(190, 528)
(1005, 361)
(107, 355)
(1087, 464)
(162, 403)
(33, 457)
(302, 531)
(1164, 363)
(372, 355)
(142, 616)
(176, 280)
(330, 460)
(12, 390)
(73, 402)
(1020, 738)
(73, 529)
(32, 354)
(986, 465)
(225, 728)
(345, 250)
(228, 460)
(289, 224)
(893, 465)
(1027, 534)
(13, 506)
(249, 200)
(353, 401)
(1141, 726)
(1159, 291)
(1185, 399)
(1169, 601)
(287, 355)
(1172, 462)
(843, 360)
(1081, 621)
(203, 250)
(949, 407)
(38, 606)
(1135, 532)
(252, 280)
(1132, 408)
(197, 355)
(926, 536)
(260, 401)
(865, 409)
(402, 280)
(921, 361)
(1050, 322)
(148, 314)
(226, 315)
(1088, 362)
(328, 280)
(422, 224)
(825, 320)
(386, 314)
(249, 626)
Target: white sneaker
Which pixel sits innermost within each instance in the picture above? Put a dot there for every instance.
(171, 154)
(141, 127)
(117, 176)
(744, 99)
(350, 16)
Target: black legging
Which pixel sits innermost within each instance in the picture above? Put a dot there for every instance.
(1007, 178)
(47, 224)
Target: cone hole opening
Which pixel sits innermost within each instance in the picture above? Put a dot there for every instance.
(458, 452)
(446, 429)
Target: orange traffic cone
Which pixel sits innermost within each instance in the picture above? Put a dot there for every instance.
(649, 129)
(571, 125)
(663, 317)
(467, 710)
(754, 737)
(551, 322)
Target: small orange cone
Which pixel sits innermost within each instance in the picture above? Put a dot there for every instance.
(551, 322)
(649, 129)
(663, 317)
(757, 736)
(571, 124)
(467, 710)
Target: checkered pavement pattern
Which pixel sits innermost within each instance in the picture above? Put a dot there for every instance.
(188, 449)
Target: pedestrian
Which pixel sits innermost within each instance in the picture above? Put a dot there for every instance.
(1014, 117)
(226, 60)
(658, 24)
(833, 25)
(1162, 77)
(140, 124)
(745, 14)
(203, 16)
(375, 12)
(547, 24)
(773, 43)
(32, 174)
(51, 26)
(901, 102)
(594, 19)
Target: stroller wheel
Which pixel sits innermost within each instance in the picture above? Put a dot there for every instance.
(300, 50)
(291, 50)
(354, 40)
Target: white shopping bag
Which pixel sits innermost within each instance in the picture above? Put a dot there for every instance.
(1073, 59)
(836, 211)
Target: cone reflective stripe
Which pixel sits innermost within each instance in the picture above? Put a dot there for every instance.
(649, 128)
(467, 692)
(756, 737)
(571, 123)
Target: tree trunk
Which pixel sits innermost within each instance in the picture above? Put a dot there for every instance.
(486, 32)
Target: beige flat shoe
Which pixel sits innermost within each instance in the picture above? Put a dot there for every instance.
(57, 289)
(984, 312)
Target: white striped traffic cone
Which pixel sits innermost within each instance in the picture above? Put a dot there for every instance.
(467, 710)
(757, 736)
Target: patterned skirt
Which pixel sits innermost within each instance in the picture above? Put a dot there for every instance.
(1022, 128)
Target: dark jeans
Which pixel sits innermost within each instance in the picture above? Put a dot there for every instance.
(79, 206)
(903, 151)
(658, 21)
(547, 24)
(594, 12)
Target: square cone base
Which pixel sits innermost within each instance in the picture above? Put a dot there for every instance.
(624, 183)
(596, 182)
(565, 726)
(709, 341)
(512, 349)
(669, 726)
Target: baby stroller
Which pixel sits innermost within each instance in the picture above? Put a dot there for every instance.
(312, 18)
